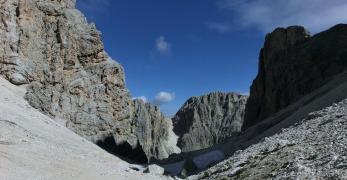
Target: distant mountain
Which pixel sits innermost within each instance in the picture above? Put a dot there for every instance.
(208, 120)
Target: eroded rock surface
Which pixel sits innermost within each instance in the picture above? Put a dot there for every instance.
(293, 64)
(207, 120)
(51, 46)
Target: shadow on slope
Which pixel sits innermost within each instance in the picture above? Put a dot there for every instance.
(123, 151)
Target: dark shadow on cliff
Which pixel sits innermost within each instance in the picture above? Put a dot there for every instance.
(123, 151)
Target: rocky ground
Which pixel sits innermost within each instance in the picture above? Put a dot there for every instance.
(34, 146)
(315, 148)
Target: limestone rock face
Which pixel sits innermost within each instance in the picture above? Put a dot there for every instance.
(154, 131)
(51, 46)
(293, 64)
(210, 119)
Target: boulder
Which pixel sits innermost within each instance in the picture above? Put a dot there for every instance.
(155, 169)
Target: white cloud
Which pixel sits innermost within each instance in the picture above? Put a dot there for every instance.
(316, 15)
(245, 93)
(143, 98)
(162, 46)
(163, 98)
(218, 26)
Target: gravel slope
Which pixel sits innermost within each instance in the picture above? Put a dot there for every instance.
(315, 148)
(33, 146)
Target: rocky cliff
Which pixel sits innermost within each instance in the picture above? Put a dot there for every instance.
(51, 46)
(207, 120)
(293, 64)
(154, 130)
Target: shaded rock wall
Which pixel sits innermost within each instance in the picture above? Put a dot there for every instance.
(293, 64)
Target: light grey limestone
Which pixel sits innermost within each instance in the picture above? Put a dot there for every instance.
(155, 169)
(51, 46)
(209, 119)
(154, 131)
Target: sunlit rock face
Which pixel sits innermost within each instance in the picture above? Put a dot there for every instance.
(50, 46)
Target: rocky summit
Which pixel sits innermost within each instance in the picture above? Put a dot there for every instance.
(208, 120)
(293, 64)
(50, 46)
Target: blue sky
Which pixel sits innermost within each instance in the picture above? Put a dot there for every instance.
(174, 49)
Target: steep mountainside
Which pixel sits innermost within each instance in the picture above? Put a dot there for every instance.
(51, 46)
(207, 120)
(34, 146)
(293, 64)
(315, 148)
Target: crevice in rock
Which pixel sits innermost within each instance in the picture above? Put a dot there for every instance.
(123, 151)
(17, 11)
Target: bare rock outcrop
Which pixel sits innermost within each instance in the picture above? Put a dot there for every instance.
(207, 120)
(293, 64)
(51, 46)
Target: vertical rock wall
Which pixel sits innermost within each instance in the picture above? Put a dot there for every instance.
(293, 64)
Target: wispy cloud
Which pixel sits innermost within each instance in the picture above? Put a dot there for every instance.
(164, 97)
(143, 98)
(266, 15)
(162, 46)
(218, 26)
